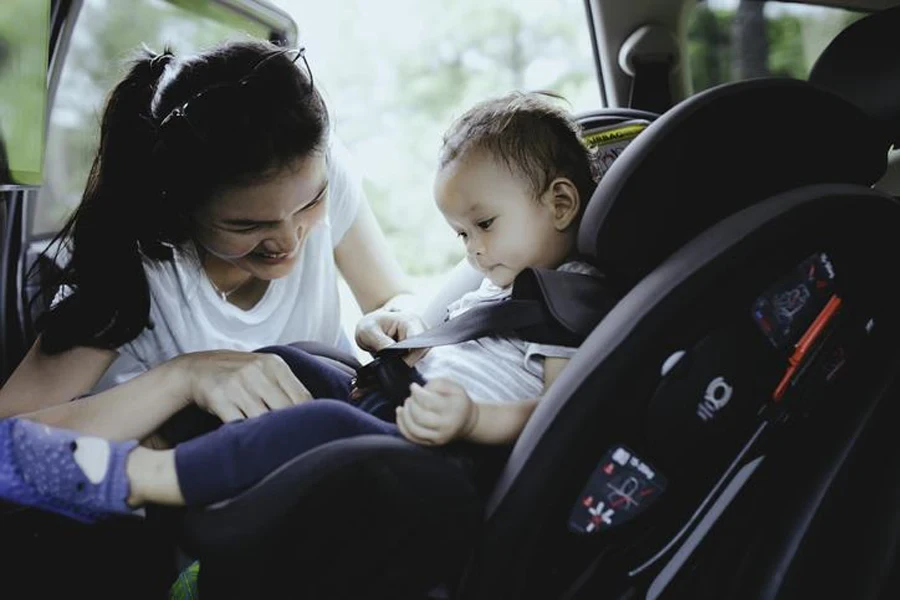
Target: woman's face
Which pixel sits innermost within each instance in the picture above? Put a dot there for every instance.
(260, 228)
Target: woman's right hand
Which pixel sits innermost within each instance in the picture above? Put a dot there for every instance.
(236, 385)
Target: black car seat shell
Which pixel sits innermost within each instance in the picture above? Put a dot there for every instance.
(710, 157)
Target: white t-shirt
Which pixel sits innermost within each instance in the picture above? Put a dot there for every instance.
(495, 368)
(188, 315)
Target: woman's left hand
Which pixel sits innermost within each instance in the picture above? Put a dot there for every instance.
(437, 414)
(381, 328)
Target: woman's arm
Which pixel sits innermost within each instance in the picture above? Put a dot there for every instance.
(132, 410)
(231, 385)
(42, 380)
(367, 264)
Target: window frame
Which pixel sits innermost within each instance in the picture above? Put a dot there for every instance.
(65, 15)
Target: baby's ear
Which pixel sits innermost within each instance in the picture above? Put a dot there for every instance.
(563, 199)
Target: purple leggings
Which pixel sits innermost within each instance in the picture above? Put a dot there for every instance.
(224, 462)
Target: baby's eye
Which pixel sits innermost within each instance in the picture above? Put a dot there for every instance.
(486, 224)
(462, 235)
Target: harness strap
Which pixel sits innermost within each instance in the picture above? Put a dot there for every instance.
(546, 306)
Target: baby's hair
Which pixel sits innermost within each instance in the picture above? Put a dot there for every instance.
(529, 134)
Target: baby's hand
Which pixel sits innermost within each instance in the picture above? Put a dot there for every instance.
(437, 414)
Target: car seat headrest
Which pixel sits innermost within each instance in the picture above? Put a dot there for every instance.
(859, 65)
(714, 154)
(606, 134)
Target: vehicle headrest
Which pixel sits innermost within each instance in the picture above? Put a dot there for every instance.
(606, 133)
(860, 66)
(716, 153)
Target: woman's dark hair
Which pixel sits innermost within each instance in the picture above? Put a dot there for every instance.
(174, 132)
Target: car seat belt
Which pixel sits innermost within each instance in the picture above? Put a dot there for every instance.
(546, 306)
(650, 86)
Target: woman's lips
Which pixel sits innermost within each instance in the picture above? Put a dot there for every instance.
(272, 258)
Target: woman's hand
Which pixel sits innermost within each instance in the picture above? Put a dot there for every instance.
(437, 414)
(381, 328)
(237, 385)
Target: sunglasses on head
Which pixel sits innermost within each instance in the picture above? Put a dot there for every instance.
(207, 106)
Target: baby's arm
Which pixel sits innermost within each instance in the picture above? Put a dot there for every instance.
(499, 423)
(442, 412)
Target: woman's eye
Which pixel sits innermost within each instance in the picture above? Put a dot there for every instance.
(313, 204)
(247, 229)
(485, 225)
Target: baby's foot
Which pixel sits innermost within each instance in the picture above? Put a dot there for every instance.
(61, 471)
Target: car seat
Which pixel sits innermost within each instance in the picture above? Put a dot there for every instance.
(728, 148)
(839, 533)
(712, 156)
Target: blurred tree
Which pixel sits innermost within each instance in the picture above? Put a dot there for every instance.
(749, 40)
(106, 35)
(709, 47)
(784, 38)
(751, 43)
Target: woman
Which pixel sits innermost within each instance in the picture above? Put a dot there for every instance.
(217, 215)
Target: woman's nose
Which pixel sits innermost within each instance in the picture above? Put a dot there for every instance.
(285, 238)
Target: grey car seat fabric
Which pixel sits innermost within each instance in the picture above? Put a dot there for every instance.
(702, 161)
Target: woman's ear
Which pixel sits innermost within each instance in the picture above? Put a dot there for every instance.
(563, 200)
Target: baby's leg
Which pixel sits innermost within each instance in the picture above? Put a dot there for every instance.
(223, 463)
(86, 478)
(58, 470)
(322, 379)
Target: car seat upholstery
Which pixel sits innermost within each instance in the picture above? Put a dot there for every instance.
(722, 154)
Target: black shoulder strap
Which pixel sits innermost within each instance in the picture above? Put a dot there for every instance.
(547, 306)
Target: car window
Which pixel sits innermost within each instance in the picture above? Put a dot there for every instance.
(396, 73)
(105, 35)
(731, 40)
(24, 42)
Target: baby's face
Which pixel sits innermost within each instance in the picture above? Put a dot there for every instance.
(495, 213)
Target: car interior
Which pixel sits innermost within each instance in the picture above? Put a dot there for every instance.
(725, 430)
